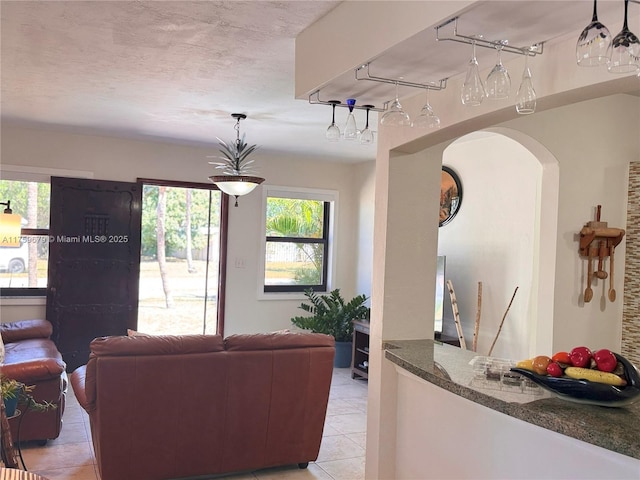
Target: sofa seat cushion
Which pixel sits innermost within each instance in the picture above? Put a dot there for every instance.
(32, 360)
(282, 339)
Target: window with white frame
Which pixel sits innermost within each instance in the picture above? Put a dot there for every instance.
(298, 239)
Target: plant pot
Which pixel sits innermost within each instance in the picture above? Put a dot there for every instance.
(343, 355)
(10, 405)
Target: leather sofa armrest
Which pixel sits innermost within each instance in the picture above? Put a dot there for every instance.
(33, 370)
(25, 329)
(78, 379)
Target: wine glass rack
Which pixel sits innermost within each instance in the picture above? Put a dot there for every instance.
(366, 75)
(480, 41)
(314, 99)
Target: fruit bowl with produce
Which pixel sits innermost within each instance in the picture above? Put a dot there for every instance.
(599, 377)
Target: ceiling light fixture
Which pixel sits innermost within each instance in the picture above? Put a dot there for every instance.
(236, 179)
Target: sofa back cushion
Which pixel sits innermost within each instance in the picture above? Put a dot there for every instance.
(283, 339)
(25, 329)
(156, 345)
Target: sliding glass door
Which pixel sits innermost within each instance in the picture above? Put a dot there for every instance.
(183, 241)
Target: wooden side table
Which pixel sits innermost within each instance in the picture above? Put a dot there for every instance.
(360, 354)
(14, 474)
(9, 455)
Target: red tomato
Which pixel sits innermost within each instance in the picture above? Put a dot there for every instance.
(580, 357)
(606, 361)
(554, 370)
(562, 357)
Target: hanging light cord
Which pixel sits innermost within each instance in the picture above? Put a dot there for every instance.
(237, 128)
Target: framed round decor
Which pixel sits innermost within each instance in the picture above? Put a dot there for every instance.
(450, 195)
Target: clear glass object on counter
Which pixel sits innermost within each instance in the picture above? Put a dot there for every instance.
(495, 374)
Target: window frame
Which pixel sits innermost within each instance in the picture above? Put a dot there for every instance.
(330, 199)
(224, 238)
(23, 173)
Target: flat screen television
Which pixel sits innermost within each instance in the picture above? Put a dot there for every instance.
(440, 289)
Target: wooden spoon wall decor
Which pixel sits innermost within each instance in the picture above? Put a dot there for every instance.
(612, 291)
(597, 242)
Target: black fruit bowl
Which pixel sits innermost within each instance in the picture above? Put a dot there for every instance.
(584, 391)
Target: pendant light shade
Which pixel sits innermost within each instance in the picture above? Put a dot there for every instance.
(236, 185)
(235, 179)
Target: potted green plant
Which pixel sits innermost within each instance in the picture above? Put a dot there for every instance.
(16, 393)
(332, 315)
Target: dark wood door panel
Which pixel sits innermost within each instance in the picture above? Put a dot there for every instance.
(94, 262)
(117, 281)
(79, 328)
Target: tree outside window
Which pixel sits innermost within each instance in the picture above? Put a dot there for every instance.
(296, 244)
(23, 268)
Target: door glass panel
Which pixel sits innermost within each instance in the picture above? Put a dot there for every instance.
(179, 261)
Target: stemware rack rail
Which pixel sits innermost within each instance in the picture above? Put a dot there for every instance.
(439, 85)
(363, 72)
(532, 50)
(314, 99)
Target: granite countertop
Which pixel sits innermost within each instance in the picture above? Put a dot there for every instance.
(452, 369)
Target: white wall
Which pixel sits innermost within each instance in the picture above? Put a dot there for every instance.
(492, 239)
(594, 142)
(592, 158)
(365, 184)
(125, 160)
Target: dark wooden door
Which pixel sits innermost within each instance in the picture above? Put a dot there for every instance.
(94, 262)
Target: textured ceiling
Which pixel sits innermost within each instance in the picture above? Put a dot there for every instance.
(172, 70)
(176, 70)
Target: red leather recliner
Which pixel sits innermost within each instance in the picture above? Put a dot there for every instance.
(32, 358)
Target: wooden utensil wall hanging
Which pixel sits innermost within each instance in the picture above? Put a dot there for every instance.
(597, 242)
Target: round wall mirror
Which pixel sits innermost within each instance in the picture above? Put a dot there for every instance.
(450, 195)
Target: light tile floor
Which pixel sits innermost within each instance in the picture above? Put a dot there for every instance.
(70, 456)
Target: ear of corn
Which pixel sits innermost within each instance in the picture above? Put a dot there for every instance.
(595, 376)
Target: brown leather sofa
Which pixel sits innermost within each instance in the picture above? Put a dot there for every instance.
(167, 407)
(32, 358)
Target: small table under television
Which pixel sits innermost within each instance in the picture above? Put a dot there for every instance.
(360, 354)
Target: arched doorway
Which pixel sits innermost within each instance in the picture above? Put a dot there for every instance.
(505, 237)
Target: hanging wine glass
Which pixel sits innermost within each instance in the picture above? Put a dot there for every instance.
(427, 117)
(473, 91)
(333, 132)
(624, 52)
(395, 116)
(350, 129)
(526, 96)
(366, 136)
(593, 42)
(498, 82)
